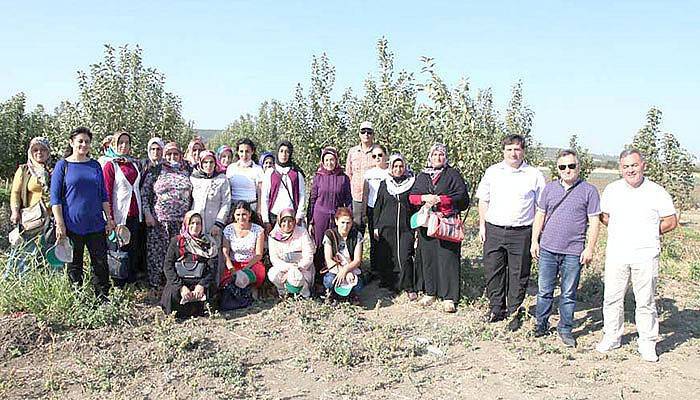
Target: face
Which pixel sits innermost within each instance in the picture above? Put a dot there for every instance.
(366, 136)
(172, 156)
(81, 144)
(398, 168)
(155, 152)
(632, 169)
(123, 144)
(226, 157)
(245, 153)
(196, 149)
(287, 224)
(329, 162)
(268, 163)
(437, 158)
(344, 224)
(208, 165)
(40, 153)
(513, 154)
(241, 215)
(379, 157)
(195, 225)
(569, 175)
(283, 154)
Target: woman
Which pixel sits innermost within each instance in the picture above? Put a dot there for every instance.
(329, 191)
(211, 195)
(245, 176)
(80, 206)
(191, 157)
(155, 156)
(342, 249)
(243, 251)
(225, 156)
(267, 161)
(291, 248)
(167, 195)
(123, 184)
(30, 195)
(372, 178)
(392, 230)
(189, 269)
(282, 187)
(441, 187)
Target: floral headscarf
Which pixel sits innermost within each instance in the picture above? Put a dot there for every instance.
(199, 171)
(202, 245)
(322, 170)
(277, 233)
(190, 147)
(38, 170)
(434, 172)
(168, 147)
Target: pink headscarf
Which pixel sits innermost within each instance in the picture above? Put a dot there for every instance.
(190, 147)
(322, 170)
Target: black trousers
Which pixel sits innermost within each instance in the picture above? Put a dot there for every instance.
(135, 258)
(507, 263)
(96, 244)
(373, 244)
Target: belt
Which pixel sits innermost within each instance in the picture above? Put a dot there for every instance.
(511, 228)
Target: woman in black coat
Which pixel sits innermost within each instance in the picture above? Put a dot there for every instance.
(442, 188)
(392, 230)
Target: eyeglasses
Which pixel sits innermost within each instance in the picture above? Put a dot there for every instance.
(563, 167)
(367, 132)
(377, 155)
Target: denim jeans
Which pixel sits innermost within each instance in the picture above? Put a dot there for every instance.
(569, 269)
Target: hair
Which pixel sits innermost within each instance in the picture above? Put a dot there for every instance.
(629, 152)
(567, 152)
(120, 134)
(514, 139)
(381, 147)
(343, 212)
(250, 143)
(75, 132)
(287, 144)
(241, 205)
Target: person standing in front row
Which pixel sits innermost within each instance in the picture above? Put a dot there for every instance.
(507, 195)
(567, 213)
(637, 212)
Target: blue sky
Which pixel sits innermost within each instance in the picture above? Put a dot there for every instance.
(591, 68)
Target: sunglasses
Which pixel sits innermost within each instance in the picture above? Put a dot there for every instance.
(367, 132)
(377, 155)
(563, 167)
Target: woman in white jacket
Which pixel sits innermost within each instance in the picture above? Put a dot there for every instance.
(292, 256)
(211, 194)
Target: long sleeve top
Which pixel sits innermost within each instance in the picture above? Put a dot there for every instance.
(211, 198)
(81, 192)
(171, 276)
(328, 192)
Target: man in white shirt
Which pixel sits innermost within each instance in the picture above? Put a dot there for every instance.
(637, 212)
(507, 195)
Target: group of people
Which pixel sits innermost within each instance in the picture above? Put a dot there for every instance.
(204, 226)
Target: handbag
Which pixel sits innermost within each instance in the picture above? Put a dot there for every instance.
(118, 262)
(189, 269)
(420, 218)
(33, 218)
(233, 297)
(445, 228)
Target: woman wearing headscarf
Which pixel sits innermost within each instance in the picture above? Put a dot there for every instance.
(191, 156)
(155, 156)
(167, 195)
(442, 188)
(189, 269)
(30, 189)
(123, 184)
(282, 187)
(330, 190)
(80, 206)
(292, 256)
(392, 229)
(211, 194)
(245, 176)
(267, 161)
(225, 156)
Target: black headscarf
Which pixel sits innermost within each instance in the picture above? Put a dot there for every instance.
(290, 162)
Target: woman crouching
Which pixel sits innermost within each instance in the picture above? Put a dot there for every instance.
(189, 269)
(292, 256)
(342, 249)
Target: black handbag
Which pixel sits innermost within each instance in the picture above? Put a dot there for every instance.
(189, 269)
(118, 262)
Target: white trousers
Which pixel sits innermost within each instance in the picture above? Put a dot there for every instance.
(643, 276)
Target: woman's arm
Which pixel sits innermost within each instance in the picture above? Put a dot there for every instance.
(16, 196)
(108, 172)
(312, 200)
(259, 249)
(328, 256)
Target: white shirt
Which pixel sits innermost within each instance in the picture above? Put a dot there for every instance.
(511, 193)
(635, 213)
(374, 178)
(283, 199)
(244, 181)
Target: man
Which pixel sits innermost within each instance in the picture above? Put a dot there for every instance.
(507, 195)
(360, 160)
(636, 211)
(567, 213)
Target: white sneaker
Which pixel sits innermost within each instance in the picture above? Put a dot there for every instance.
(607, 345)
(648, 352)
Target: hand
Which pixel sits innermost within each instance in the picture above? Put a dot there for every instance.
(109, 226)
(376, 234)
(215, 231)
(60, 232)
(535, 250)
(311, 230)
(150, 221)
(14, 217)
(482, 232)
(198, 292)
(186, 293)
(586, 256)
(229, 265)
(340, 277)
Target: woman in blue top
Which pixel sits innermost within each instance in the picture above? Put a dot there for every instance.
(79, 204)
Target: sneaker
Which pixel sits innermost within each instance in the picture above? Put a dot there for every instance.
(568, 339)
(607, 345)
(448, 306)
(426, 301)
(648, 352)
(540, 331)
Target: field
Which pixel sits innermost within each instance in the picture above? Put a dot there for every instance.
(388, 348)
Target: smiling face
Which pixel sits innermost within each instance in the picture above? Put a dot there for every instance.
(329, 162)
(226, 158)
(241, 216)
(379, 157)
(208, 165)
(195, 225)
(245, 152)
(283, 154)
(268, 163)
(632, 169)
(287, 224)
(344, 224)
(80, 144)
(39, 153)
(513, 154)
(398, 168)
(124, 144)
(172, 156)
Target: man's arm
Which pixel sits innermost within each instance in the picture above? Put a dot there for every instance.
(483, 208)
(668, 224)
(536, 231)
(592, 235)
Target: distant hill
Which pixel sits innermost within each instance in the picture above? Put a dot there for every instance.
(207, 134)
(551, 152)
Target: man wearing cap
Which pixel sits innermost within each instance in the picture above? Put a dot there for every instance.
(360, 160)
(507, 195)
(637, 212)
(567, 213)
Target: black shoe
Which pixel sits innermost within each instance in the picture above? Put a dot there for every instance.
(541, 331)
(516, 322)
(568, 339)
(493, 317)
